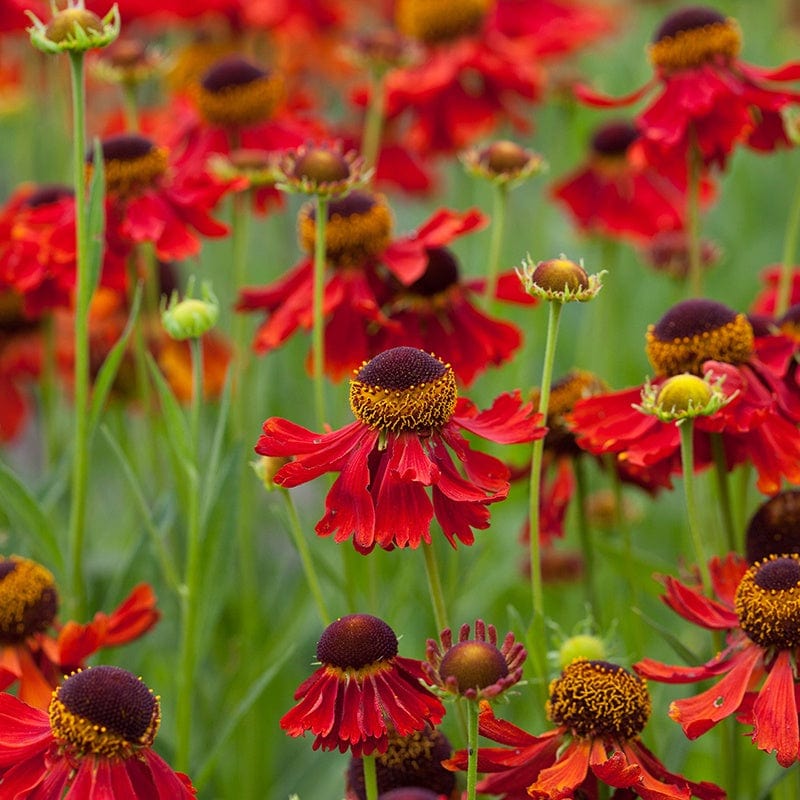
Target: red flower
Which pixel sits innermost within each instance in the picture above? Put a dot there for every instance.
(709, 98)
(754, 674)
(37, 249)
(616, 194)
(363, 691)
(766, 299)
(94, 742)
(35, 658)
(408, 420)
(436, 313)
(757, 426)
(361, 254)
(600, 709)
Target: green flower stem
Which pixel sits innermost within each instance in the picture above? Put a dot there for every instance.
(370, 777)
(83, 296)
(587, 546)
(724, 490)
(500, 205)
(49, 393)
(130, 107)
(435, 587)
(240, 231)
(191, 583)
(373, 121)
(784, 292)
(318, 331)
(687, 463)
(472, 748)
(537, 633)
(537, 594)
(303, 551)
(694, 176)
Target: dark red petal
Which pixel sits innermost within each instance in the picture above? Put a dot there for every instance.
(775, 723)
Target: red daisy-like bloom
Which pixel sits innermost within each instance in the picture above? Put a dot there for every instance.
(363, 690)
(600, 709)
(766, 300)
(37, 248)
(436, 313)
(362, 256)
(758, 425)
(754, 675)
(148, 199)
(408, 420)
(709, 98)
(94, 742)
(34, 658)
(616, 194)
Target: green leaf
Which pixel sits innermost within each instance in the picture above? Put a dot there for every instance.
(95, 217)
(26, 513)
(673, 641)
(234, 718)
(107, 373)
(175, 424)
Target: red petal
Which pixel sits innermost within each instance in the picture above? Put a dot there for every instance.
(775, 712)
(560, 780)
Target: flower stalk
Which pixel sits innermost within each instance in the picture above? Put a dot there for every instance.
(318, 301)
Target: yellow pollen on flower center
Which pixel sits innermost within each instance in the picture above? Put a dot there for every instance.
(87, 737)
(731, 343)
(412, 749)
(696, 46)
(28, 598)
(435, 21)
(767, 602)
(421, 408)
(359, 674)
(351, 239)
(127, 177)
(597, 698)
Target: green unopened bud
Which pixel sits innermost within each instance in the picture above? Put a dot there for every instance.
(583, 645)
(74, 29)
(266, 467)
(191, 317)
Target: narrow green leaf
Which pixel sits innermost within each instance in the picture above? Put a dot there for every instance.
(26, 513)
(175, 424)
(107, 373)
(673, 641)
(156, 536)
(234, 718)
(96, 216)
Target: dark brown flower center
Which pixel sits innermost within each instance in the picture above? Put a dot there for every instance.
(768, 602)
(599, 699)
(322, 165)
(359, 228)
(614, 138)
(28, 599)
(404, 389)
(436, 21)
(774, 529)
(440, 274)
(132, 164)
(105, 711)
(473, 665)
(235, 92)
(693, 36)
(560, 275)
(46, 194)
(695, 331)
(356, 641)
(504, 156)
(412, 761)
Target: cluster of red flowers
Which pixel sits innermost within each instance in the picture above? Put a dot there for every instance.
(398, 315)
